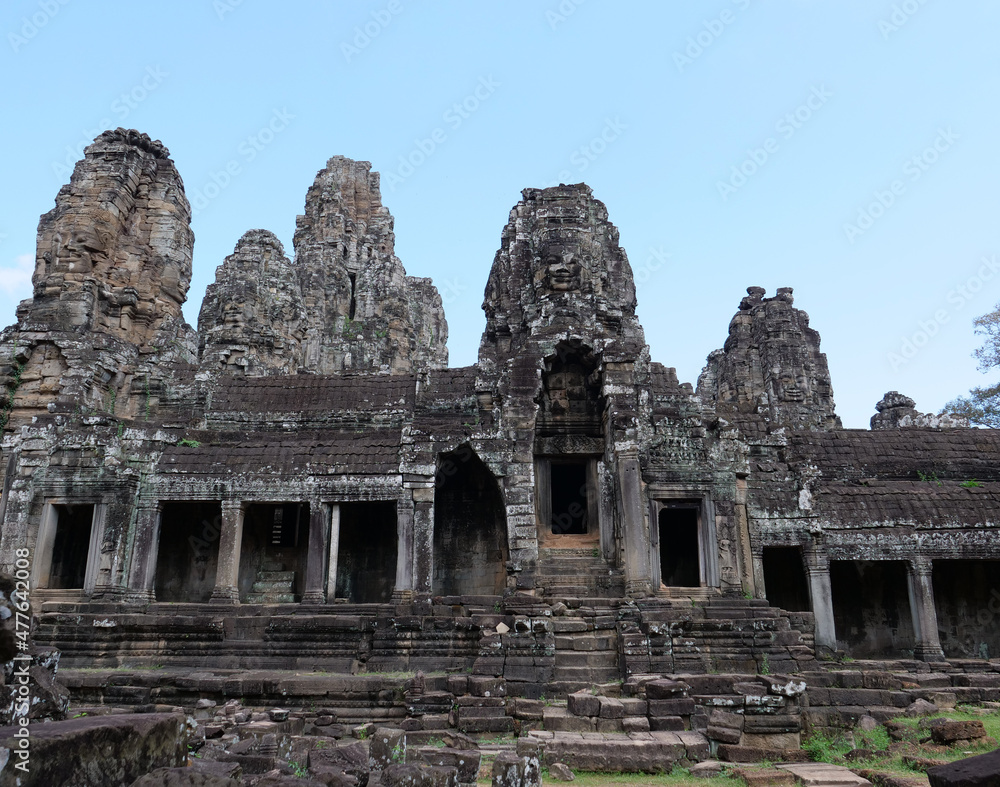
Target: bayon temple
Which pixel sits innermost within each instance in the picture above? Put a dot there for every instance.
(304, 484)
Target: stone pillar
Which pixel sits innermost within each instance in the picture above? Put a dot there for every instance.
(315, 591)
(331, 577)
(405, 518)
(744, 554)
(227, 589)
(638, 576)
(421, 542)
(145, 549)
(821, 597)
(925, 625)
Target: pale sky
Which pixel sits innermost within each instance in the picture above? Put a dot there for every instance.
(847, 149)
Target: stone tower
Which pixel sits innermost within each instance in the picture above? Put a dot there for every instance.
(362, 311)
(251, 320)
(771, 367)
(112, 270)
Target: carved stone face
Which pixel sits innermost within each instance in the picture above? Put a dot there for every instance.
(563, 270)
(79, 251)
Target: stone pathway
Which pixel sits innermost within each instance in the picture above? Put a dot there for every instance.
(821, 774)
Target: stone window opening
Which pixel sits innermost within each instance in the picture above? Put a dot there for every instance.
(785, 583)
(354, 302)
(568, 488)
(366, 552)
(274, 552)
(470, 528)
(684, 544)
(680, 563)
(871, 608)
(567, 499)
(187, 557)
(68, 548)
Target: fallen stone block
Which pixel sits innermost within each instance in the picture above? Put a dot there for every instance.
(952, 731)
(981, 771)
(510, 770)
(184, 777)
(104, 751)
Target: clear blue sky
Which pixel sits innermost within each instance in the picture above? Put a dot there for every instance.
(652, 104)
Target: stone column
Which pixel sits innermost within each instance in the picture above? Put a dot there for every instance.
(405, 519)
(331, 577)
(227, 589)
(315, 591)
(821, 597)
(145, 549)
(422, 541)
(925, 626)
(638, 576)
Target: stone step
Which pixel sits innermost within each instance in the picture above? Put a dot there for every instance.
(821, 774)
(275, 576)
(594, 658)
(587, 676)
(270, 598)
(267, 587)
(273, 567)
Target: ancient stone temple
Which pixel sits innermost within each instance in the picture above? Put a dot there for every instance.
(304, 483)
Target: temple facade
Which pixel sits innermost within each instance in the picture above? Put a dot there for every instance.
(303, 479)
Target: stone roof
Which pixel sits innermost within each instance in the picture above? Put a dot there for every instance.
(327, 452)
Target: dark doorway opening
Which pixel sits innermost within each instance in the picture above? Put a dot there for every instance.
(470, 528)
(187, 560)
(70, 547)
(785, 578)
(366, 558)
(871, 608)
(678, 532)
(569, 497)
(967, 602)
(274, 552)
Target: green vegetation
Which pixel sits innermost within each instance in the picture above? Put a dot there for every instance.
(982, 405)
(185, 443)
(930, 477)
(887, 755)
(970, 484)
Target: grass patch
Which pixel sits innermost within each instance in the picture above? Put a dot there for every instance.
(888, 755)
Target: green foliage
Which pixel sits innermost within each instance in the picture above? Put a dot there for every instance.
(982, 405)
(765, 666)
(970, 484)
(930, 477)
(186, 443)
(298, 769)
(398, 752)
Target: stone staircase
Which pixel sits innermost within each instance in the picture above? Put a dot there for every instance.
(578, 573)
(583, 656)
(274, 585)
